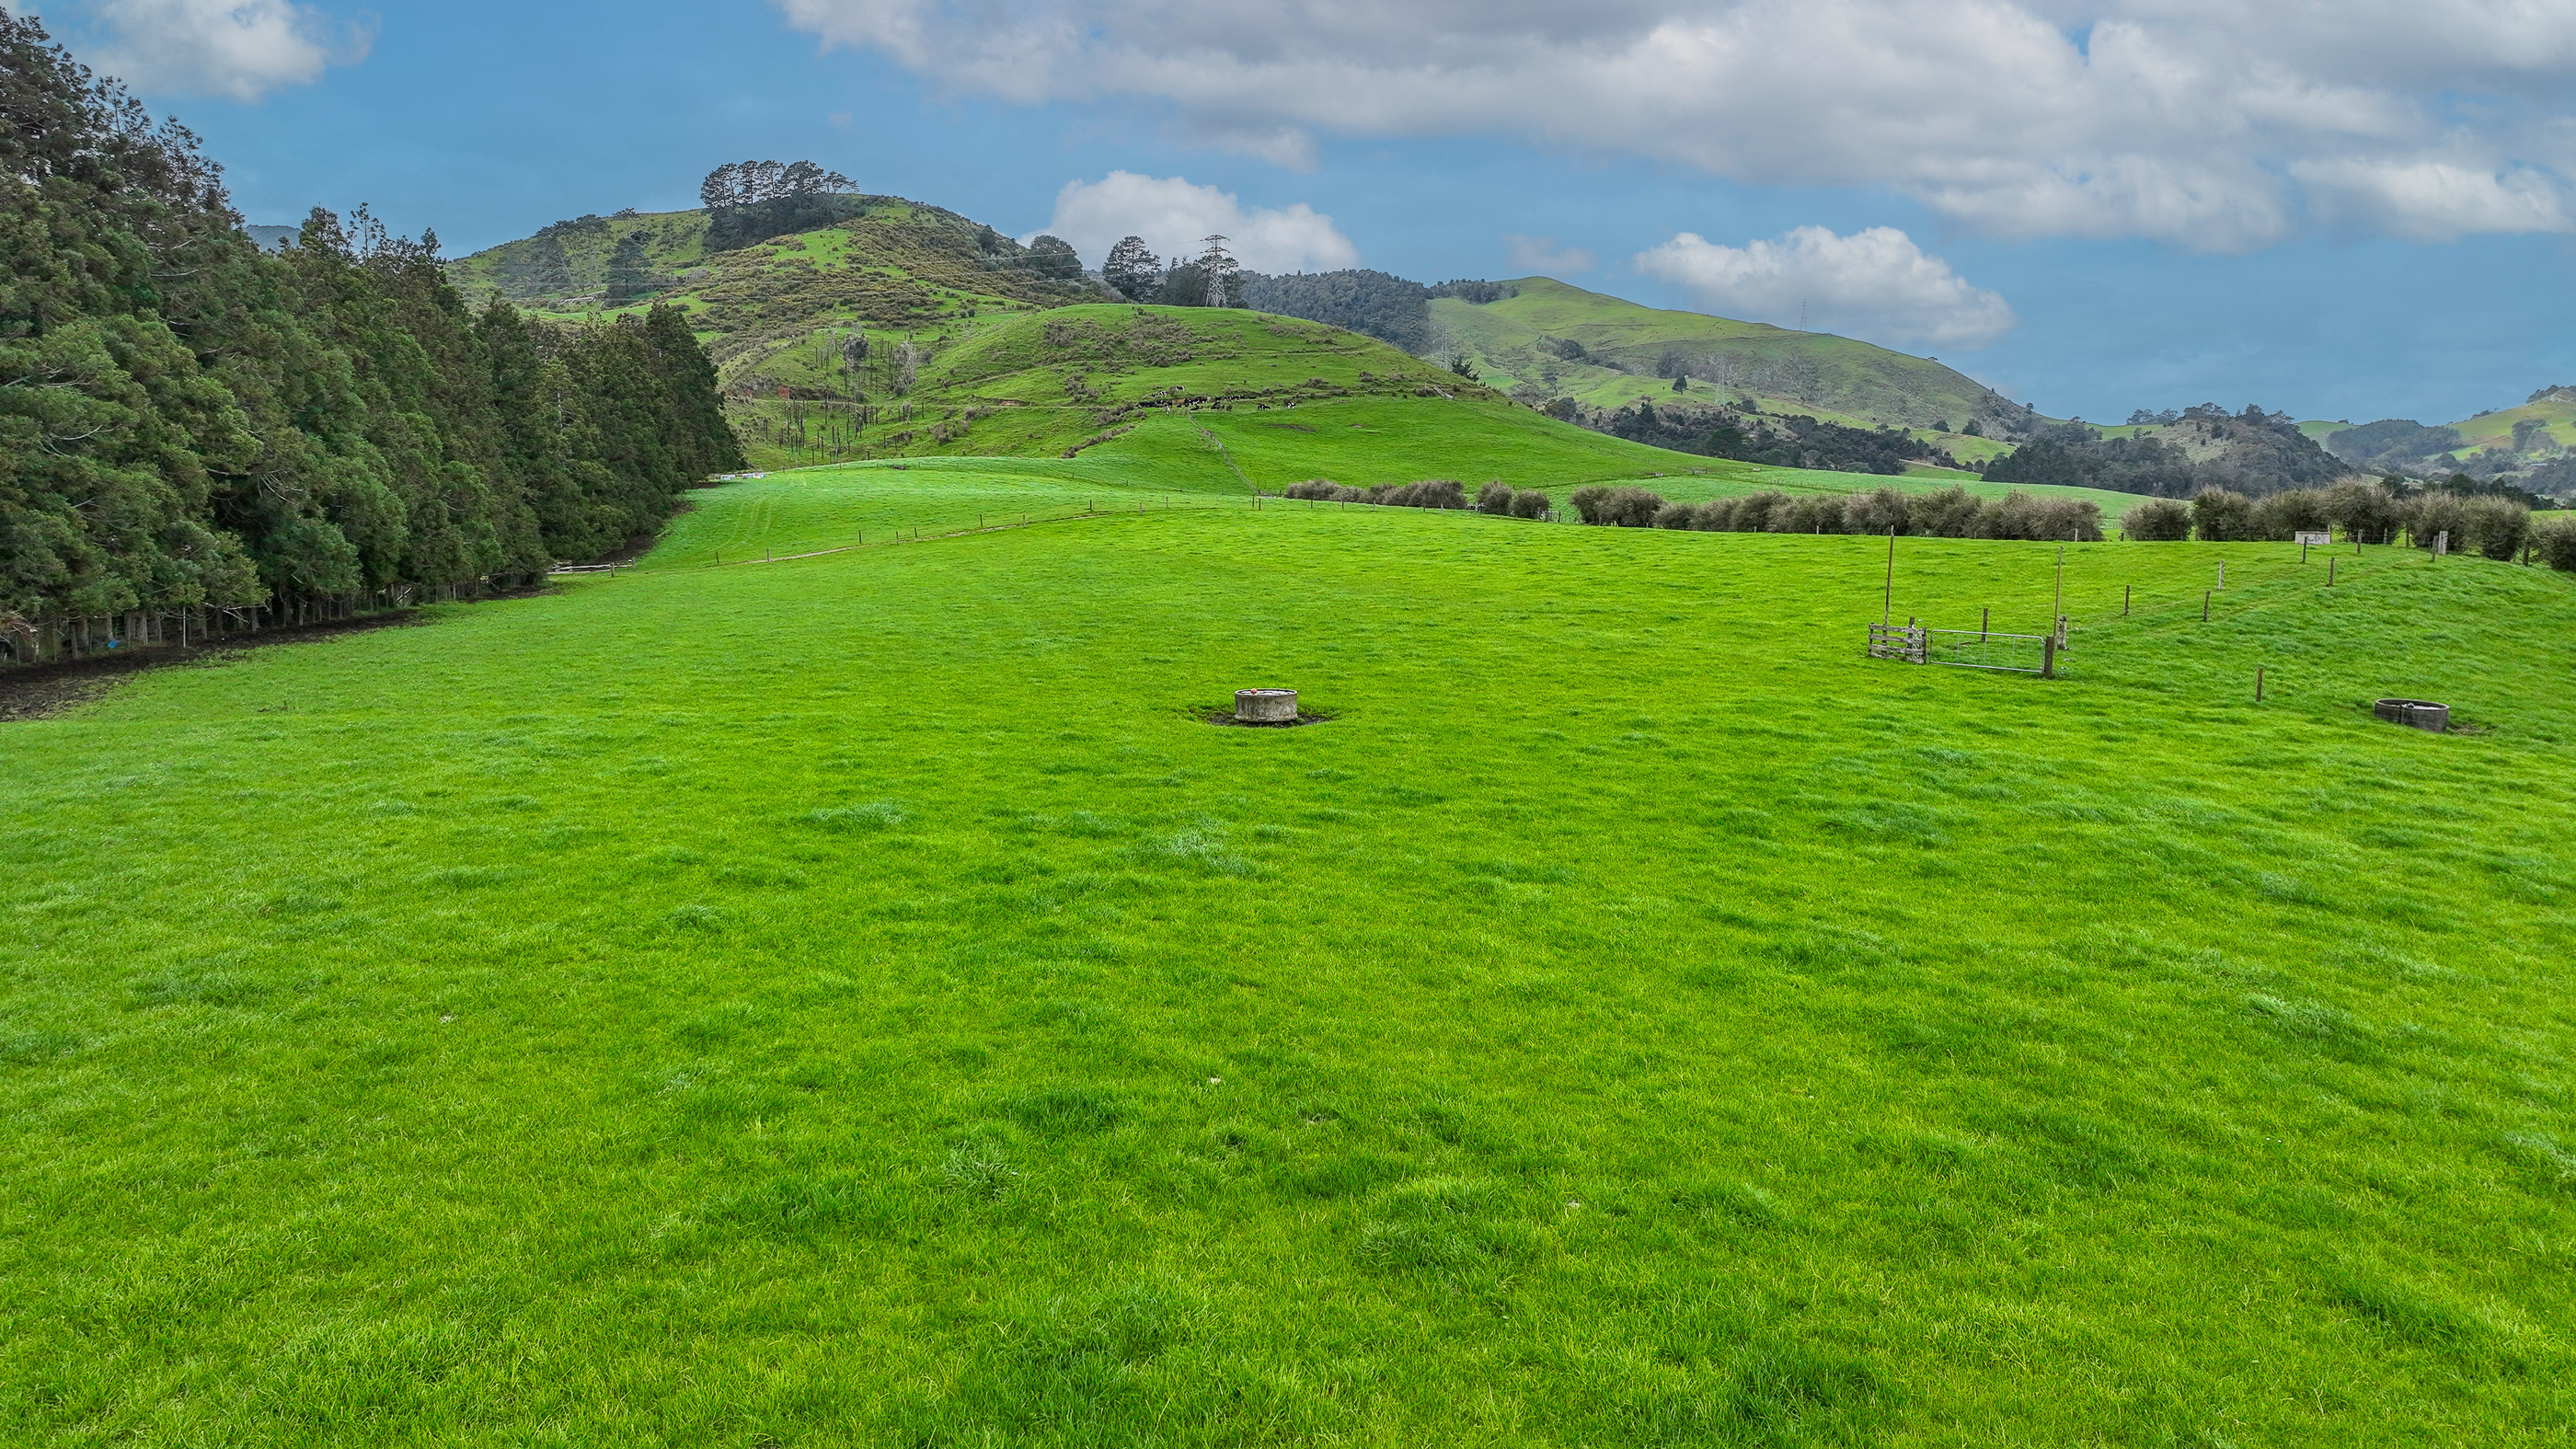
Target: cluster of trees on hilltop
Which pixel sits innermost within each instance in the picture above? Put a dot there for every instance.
(2253, 452)
(189, 421)
(1211, 279)
(1781, 442)
(751, 201)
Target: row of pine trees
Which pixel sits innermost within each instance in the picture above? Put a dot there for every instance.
(189, 423)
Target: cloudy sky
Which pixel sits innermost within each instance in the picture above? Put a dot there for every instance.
(2358, 209)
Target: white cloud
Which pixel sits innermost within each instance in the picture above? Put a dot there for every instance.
(1541, 255)
(1172, 215)
(2212, 124)
(240, 49)
(1876, 284)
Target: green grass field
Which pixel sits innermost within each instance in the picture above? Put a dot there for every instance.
(857, 1000)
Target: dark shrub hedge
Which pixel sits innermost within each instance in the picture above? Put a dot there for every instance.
(2158, 520)
(1622, 507)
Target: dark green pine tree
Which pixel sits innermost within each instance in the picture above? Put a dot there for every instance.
(548, 271)
(703, 442)
(630, 272)
(533, 411)
(191, 421)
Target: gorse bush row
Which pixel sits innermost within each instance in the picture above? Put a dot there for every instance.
(186, 420)
(1504, 501)
(2498, 528)
(1429, 493)
(1497, 498)
(2554, 540)
(1951, 512)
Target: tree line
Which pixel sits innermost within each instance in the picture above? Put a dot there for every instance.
(748, 202)
(189, 423)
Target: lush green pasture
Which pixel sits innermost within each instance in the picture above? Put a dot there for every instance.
(814, 509)
(1201, 462)
(856, 1000)
(1362, 441)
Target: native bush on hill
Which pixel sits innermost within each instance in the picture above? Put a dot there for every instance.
(2391, 442)
(1388, 308)
(1479, 293)
(2074, 458)
(1777, 441)
(190, 420)
(2251, 452)
(2161, 520)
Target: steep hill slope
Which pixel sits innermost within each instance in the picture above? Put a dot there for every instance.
(2547, 420)
(1603, 352)
(889, 265)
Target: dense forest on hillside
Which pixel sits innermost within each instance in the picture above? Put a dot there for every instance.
(2252, 452)
(1777, 441)
(1373, 303)
(188, 422)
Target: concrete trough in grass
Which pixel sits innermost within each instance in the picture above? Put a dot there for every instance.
(2421, 714)
(1265, 706)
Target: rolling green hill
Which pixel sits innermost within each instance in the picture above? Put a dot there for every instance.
(892, 267)
(1291, 399)
(2557, 415)
(1604, 352)
(779, 318)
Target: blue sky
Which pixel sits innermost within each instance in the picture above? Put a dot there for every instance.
(2404, 252)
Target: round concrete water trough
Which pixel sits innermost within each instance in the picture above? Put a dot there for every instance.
(1266, 706)
(2422, 714)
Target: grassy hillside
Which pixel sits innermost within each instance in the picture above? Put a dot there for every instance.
(893, 268)
(2495, 429)
(1519, 341)
(1288, 399)
(856, 1000)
